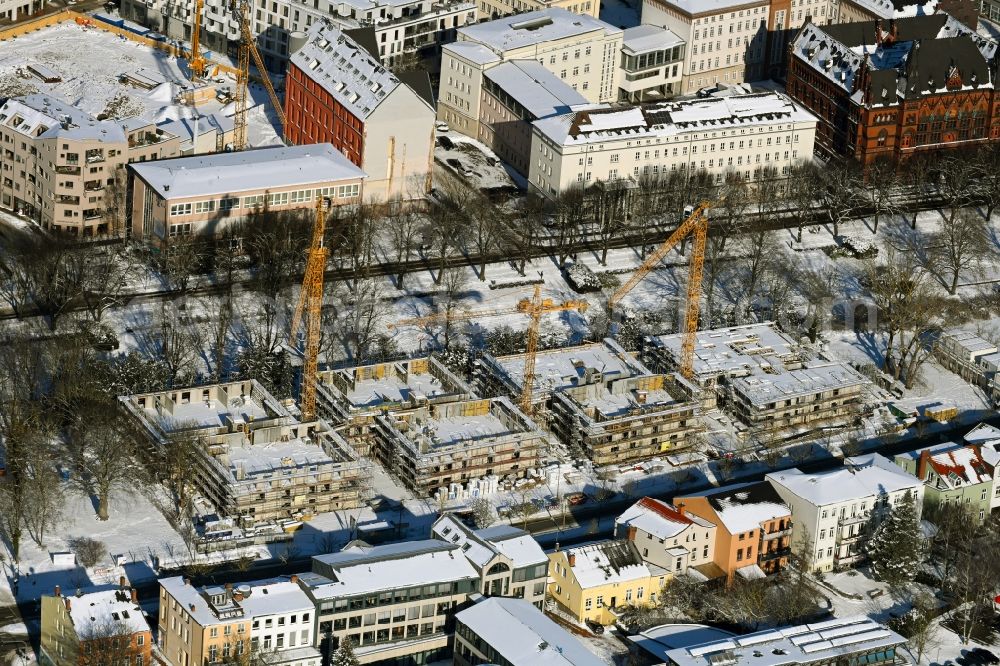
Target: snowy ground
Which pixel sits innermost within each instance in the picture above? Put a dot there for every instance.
(89, 83)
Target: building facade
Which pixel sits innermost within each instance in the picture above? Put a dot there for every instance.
(754, 527)
(257, 464)
(595, 583)
(603, 403)
(926, 85)
(836, 511)
(670, 538)
(99, 626)
(59, 164)
(337, 91)
(740, 135)
(271, 620)
(953, 474)
(204, 195)
(652, 61)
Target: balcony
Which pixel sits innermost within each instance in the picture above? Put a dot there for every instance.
(69, 170)
(93, 185)
(92, 214)
(68, 200)
(777, 534)
(95, 156)
(773, 554)
(849, 538)
(854, 520)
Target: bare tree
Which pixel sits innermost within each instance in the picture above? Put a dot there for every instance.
(611, 201)
(988, 176)
(962, 244)
(43, 500)
(275, 245)
(489, 221)
(804, 184)
(116, 202)
(107, 641)
(569, 214)
(362, 318)
(177, 467)
(446, 221)
(482, 512)
(525, 230)
(728, 223)
(103, 455)
(452, 288)
(104, 278)
(841, 192)
(89, 552)
(182, 259)
(404, 229)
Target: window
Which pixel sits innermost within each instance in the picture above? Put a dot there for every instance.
(204, 206)
(213, 632)
(180, 209)
(347, 191)
(588, 604)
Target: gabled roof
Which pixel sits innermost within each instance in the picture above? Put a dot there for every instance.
(535, 88)
(958, 465)
(606, 562)
(744, 506)
(659, 518)
(861, 477)
(345, 69)
(482, 546)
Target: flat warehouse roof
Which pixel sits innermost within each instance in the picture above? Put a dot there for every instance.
(246, 171)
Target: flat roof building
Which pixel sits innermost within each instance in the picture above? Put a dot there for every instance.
(603, 401)
(410, 590)
(841, 639)
(765, 379)
(202, 194)
(515, 633)
(245, 438)
(433, 446)
(687, 135)
(339, 92)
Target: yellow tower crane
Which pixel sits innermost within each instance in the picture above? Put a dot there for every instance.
(534, 307)
(310, 307)
(248, 49)
(197, 61)
(696, 224)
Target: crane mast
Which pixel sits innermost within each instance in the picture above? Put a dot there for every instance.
(197, 61)
(695, 225)
(248, 50)
(310, 307)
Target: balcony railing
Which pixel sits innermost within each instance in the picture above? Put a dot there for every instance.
(773, 554)
(777, 534)
(67, 199)
(852, 520)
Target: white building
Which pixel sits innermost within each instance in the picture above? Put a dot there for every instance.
(651, 64)
(14, 10)
(581, 50)
(668, 537)
(511, 631)
(835, 510)
(987, 437)
(740, 134)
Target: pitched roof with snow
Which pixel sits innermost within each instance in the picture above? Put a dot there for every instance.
(214, 605)
(956, 465)
(863, 476)
(345, 69)
(94, 613)
(606, 562)
(535, 88)
(482, 546)
(219, 174)
(44, 116)
(744, 506)
(523, 635)
(659, 518)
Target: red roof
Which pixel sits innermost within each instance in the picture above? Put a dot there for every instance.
(664, 510)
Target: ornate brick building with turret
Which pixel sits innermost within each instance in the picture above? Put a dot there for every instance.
(892, 89)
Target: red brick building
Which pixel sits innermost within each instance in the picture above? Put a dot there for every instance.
(337, 91)
(896, 88)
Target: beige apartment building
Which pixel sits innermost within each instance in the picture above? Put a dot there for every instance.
(201, 195)
(58, 163)
(258, 465)
(494, 9)
(670, 538)
(395, 601)
(434, 446)
(581, 50)
(742, 134)
(351, 398)
(268, 619)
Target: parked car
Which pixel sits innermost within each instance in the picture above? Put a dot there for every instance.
(595, 627)
(576, 499)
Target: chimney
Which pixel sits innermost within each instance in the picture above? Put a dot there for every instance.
(191, 606)
(229, 590)
(135, 596)
(67, 600)
(58, 591)
(680, 508)
(294, 578)
(187, 581)
(237, 596)
(632, 529)
(571, 558)
(641, 396)
(925, 458)
(122, 583)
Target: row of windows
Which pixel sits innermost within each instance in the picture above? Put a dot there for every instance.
(259, 200)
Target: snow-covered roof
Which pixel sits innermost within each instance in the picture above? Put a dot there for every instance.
(214, 605)
(819, 642)
(984, 433)
(361, 569)
(862, 477)
(657, 641)
(44, 116)
(471, 51)
(743, 507)
(736, 350)
(708, 7)
(672, 118)
(608, 562)
(95, 612)
(645, 38)
(535, 88)
(482, 546)
(187, 128)
(523, 635)
(563, 368)
(261, 169)
(533, 29)
(659, 518)
(965, 342)
(811, 378)
(956, 465)
(345, 69)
